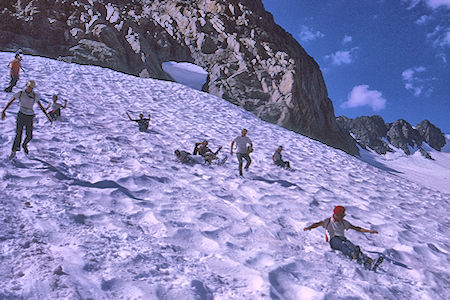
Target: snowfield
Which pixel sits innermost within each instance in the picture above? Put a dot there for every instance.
(113, 215)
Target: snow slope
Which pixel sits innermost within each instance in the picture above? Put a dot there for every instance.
(434, 173)
(113, 215)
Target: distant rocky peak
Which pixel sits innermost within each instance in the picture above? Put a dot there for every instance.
(432, 135)
(402, 135)
(373, 133)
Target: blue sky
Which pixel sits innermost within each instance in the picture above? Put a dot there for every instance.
(390, 58)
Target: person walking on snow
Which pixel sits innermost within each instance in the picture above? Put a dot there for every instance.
(244, 148)
(14, 72)
(336, 225)
(27, 99)
(55, 112)
(278, 159)
(143, 123)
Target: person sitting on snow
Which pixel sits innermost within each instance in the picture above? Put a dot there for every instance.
(278, 159)
(336, 225)
(143, 123)
(203, 150)
(55, 112)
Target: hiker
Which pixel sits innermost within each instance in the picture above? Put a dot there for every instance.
(203, 150)
(278, 159)
(335, 226)
(55, 112)
(16, 66)
(143, 123)
(27, 99)
(244, 148)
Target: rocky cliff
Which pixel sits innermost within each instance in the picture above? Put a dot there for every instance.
(251, 61)
(373, 133)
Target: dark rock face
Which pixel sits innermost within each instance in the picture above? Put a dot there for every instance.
(76, 31)
(367, 131)
(401, 135)
(251, 61)
(370, 131)
(432, 135)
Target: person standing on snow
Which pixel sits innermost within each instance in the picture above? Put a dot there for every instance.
(14, 72)
(244, 148)
(336, 225)
(27, 99)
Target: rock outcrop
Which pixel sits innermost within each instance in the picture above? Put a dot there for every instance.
(432, 135)
(373, 133)
(251, 61)
(367, 131)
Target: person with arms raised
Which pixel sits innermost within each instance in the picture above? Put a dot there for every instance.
(335, 226)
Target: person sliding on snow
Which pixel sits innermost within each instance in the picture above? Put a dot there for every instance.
(205, 151)
(14, 72)
(184, 156)
(143, 123)
(27, 99)
(278, 159)
(244, 148)
(335, 226)
(55, 112)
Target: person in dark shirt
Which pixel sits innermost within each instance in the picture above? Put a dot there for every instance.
(278, 159)
(142, 122)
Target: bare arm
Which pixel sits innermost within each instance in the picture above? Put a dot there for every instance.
(130, 117)
(6, 107)
(313, 225)
(65, 103)
(232, 145)
(360, 229)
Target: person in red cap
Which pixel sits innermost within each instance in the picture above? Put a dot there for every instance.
(335, 226)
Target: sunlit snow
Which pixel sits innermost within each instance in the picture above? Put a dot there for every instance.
(100, 210)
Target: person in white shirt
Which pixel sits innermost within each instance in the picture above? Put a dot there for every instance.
(55, 112)
(244, 148)
(335, 226)
(27, 99)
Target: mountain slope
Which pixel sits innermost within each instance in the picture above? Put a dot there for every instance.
(113, 215)
(251, 61)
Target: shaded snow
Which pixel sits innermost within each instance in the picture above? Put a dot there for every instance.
(113, 215)
(186, 73)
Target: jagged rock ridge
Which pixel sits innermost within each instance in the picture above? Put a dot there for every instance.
(251, 61)
(372, 132)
